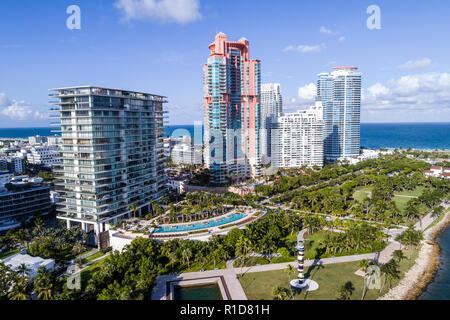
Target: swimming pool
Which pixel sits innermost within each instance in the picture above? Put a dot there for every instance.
(200, 225)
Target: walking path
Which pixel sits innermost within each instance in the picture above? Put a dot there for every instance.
(308, 263)
(402, 196)
(416, 279)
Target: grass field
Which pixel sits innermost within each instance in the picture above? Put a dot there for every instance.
(414, 193)
(362, 192)
(258, 286)
(94, 256)
(87, 273)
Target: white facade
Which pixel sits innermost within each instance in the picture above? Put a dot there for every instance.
(36, 140)
(44, 155)
(186, 154)
(297, 138)
(271, 105)
(177, 185)
(54, 141)
(5, 177)
(15, 164)
(32, 263)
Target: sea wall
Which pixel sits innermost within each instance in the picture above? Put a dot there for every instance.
(424, 270)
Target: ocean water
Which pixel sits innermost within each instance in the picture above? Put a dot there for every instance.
(384, 135)
(439, 289)
(406, 135)
(26, 132)
(373, 135)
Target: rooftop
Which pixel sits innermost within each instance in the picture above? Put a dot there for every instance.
(104, 88)
(32, 263)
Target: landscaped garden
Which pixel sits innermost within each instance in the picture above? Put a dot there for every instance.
(331, 278)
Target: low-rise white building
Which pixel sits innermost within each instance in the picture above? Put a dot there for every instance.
(187, 154)
(44, 155)
(438, 172)
(32, 263)
(177, 184)
(5, 177)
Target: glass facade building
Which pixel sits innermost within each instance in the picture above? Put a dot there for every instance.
(271, 105)
(112, 152)
(340, 94)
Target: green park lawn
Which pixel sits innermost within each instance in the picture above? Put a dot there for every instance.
(258, 286)
(94, 256)
(87, 273)
(361, 193)
(413, 193)
(312, 243)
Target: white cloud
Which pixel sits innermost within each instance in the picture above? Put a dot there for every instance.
(178, 11)
(4, 101)
(428, 92)
(342, 39)
(415, 64)
(305, 48)
(324, 30)
(19, 110)
(307, 93)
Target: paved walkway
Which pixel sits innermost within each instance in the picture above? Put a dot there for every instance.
(402, 196)
(308, 263)
(386, 254)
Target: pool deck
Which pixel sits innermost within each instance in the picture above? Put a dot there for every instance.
(229, 279)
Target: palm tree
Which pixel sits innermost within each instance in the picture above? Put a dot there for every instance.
(133, 208)
(399, 255)
(78, 248)
(38, 225)
(280, 293)
(363, 265)
(290, 270)
(43, 284)
(438, 211)
(346, 291)
(187, 254)
(20, 290)
(23, 237)
(22, 269)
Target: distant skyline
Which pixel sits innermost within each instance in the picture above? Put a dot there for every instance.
(160, 46)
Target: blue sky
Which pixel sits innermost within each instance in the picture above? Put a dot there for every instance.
(160, 46)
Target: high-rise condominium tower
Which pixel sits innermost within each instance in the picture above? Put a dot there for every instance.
(112, 150)
(340, 93)
(232, 110)
(271, 105)
(297, 138)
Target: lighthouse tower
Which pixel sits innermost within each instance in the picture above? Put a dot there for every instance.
(301, 283)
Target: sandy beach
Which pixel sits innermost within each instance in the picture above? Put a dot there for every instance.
(427, 264)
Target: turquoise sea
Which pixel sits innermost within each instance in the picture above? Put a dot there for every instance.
(373, 135)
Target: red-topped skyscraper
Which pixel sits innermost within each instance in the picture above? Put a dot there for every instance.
(232, 110)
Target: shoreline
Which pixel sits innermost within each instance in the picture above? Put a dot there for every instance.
(423, 272)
